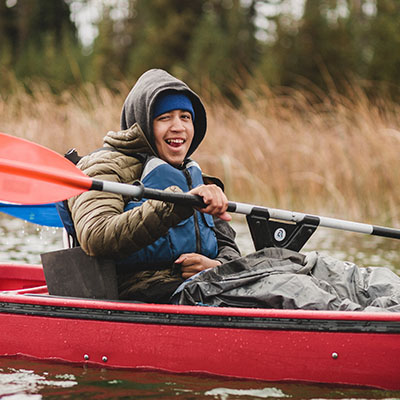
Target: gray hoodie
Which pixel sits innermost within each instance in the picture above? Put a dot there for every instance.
(139, 104)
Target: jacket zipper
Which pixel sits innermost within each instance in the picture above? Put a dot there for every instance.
(195, 214)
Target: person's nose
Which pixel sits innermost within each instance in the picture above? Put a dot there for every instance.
(177, 124)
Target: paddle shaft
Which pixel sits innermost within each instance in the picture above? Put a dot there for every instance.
(326, 222)
(139, 191)
(83, 183)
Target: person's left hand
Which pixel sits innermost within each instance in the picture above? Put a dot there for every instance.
(215, 200)
(192, 263)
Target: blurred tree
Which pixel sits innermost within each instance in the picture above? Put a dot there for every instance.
(197, 41)
(205, 42)
(38, 40)
(224, 48)
(163, 34)
(334, 42)
(384, 65)
(316, 47)
(358, 26)
(103, 60)
(154, 34)
(8, 38)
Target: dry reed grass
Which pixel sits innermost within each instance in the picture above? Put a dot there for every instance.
(295, 149)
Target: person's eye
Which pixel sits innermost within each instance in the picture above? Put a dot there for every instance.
(163, 117)
(186, 116)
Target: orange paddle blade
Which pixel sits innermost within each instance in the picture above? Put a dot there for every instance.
(33, 174)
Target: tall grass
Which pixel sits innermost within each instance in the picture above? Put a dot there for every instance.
(298, 149)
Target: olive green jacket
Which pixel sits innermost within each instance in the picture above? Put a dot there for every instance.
(104, 229)
(102, 226)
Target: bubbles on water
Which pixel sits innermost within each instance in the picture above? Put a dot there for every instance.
(21, 241)
(225, 393)
(26, 384)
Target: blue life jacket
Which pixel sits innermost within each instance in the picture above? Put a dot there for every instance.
(193, 235)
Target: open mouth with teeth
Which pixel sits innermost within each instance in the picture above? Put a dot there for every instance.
(175, 142)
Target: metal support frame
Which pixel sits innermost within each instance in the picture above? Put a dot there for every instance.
(273, 233)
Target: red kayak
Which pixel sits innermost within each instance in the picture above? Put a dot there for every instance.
(353, 348)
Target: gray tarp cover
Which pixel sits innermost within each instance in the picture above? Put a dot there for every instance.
(279, 278)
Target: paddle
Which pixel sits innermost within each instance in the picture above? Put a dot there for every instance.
(33, 174)
(40, 214)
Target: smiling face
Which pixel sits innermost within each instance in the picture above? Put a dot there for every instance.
(173, 134)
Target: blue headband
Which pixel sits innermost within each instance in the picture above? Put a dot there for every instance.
(172, 101)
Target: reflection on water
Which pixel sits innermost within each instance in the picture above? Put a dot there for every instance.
(23, 379)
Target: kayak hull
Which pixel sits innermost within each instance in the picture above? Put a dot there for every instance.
(351, 348)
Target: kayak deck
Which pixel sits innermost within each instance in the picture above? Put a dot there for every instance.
(21, 276)
(352, 348)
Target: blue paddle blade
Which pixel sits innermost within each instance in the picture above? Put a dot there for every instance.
(41, 214)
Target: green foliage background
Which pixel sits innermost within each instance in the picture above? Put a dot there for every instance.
(226, 45)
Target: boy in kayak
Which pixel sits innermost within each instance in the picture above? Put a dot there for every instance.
(156, 245)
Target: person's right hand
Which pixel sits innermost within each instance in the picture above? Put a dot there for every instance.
(215, 200)
(192, 263)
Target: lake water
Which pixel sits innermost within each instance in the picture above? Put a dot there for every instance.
(27, 379)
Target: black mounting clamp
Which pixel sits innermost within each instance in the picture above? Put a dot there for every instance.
(266, 232)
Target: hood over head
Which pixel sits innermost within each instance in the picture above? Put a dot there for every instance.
(139, 105)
